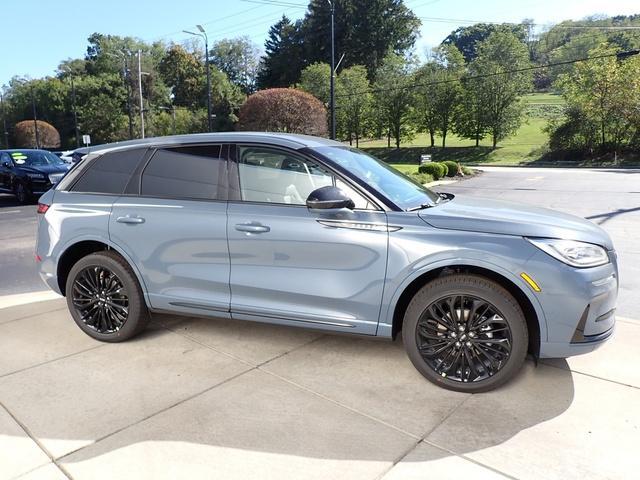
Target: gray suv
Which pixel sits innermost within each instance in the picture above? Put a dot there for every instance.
(304, 231)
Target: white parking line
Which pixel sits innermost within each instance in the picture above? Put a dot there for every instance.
(15, 300)
(12, 211)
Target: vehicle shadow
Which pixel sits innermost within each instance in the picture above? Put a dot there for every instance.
(8, 201)
(298, 397)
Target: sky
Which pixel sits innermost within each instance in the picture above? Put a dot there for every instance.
(38, 34)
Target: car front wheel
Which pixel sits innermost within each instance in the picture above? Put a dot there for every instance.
(105, 299)
(465, 333)
(22, 193)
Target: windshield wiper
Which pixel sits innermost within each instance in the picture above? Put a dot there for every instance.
(421, 207)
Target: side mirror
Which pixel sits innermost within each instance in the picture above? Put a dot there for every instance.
(7, 164)
(329, 197)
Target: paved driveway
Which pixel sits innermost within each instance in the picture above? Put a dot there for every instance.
(216, 399)
(194, 398)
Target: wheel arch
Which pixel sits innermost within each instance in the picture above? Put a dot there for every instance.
(535, 321)
(79, 249)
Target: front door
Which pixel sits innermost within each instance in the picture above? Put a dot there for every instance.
(291, 265)
(175, 231)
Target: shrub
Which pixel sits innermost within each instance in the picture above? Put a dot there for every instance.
(445, 169)
(436, 170)
(421, 178)
(452, 168)
(283, 110)
(25, 135)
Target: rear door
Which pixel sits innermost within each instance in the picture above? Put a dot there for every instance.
(175, 229)
(295, 266)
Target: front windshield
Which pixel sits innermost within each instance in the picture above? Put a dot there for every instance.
(36, 158)
(398, 188)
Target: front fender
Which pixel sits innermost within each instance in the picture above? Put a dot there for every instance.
(414, 252)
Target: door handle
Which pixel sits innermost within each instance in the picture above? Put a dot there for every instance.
(130, 220)
(252, 228)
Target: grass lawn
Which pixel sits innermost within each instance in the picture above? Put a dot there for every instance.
(523, 147)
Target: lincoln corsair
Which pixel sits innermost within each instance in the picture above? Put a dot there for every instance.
(304, 231)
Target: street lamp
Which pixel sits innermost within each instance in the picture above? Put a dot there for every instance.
(125, 76)
(4, 121)
(203, 35)
(75, 112)
(332, 4)
(35, 117)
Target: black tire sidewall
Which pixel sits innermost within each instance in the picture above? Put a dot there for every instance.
(27, 194)
(482, 288)
(138, 314)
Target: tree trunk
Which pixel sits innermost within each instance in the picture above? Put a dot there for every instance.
(357, 141)
(444, 139)
(433, 140)
(388, 138)
(495, 141)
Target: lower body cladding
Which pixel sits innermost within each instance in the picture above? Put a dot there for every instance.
(578, 303)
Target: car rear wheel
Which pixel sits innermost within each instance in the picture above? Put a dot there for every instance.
(105, 299)
(465, 333)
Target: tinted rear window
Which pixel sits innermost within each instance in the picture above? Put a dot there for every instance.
(109, 173)
(186, 172)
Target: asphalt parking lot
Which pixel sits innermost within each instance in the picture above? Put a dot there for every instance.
(194, 398)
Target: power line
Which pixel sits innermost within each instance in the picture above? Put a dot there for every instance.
(494, 74)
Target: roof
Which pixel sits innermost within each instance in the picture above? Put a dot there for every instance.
(273, 138)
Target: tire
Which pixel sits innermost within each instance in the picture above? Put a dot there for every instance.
(494, 343)
(22, 193)
(118, 291)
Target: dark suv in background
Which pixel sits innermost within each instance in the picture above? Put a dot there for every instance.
(29, 173)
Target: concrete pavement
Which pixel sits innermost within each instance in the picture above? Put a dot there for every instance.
(213, 398)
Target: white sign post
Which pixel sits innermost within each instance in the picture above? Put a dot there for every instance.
(86, 139)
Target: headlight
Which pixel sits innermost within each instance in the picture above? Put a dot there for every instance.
(571, 252)
(35, 176)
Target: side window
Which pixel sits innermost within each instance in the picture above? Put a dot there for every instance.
(186, 172)
(109, 173)
(273, 176)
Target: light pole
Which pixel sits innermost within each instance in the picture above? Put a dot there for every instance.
(203, 35)
(73, 105)
(35, 117)
(4, 122)
(125, 77)
(333, 71)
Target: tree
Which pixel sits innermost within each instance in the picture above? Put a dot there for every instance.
(353, 102)
(440, 91)
(394, 98)
(283, 110)
(605, 92)
(501, 82)
(315, 79)
(425, 116)
(468, 39)
(365, 31)
(239, 59)
(184, 73)
(25, 135)
(471, 120)
(283, 59)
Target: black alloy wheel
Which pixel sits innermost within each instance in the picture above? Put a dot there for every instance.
(466, 333)
(105, 298)
(101, 299)
(464, 338)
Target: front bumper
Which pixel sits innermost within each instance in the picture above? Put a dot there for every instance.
(579, 305)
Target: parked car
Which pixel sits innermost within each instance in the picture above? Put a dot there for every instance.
(28, 173)
(303, 231)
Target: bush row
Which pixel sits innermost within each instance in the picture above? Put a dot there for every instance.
(439, 170)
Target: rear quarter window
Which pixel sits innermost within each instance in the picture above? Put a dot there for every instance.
(109, 173)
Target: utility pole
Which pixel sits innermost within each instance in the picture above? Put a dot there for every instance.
(125, 75)
(203, 35)
(4, 122)
(35, 117)
(140, 92)
(75, 112)
(333, 71)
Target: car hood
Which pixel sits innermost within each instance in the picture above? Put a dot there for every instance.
(45, 168)
(511, 218)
